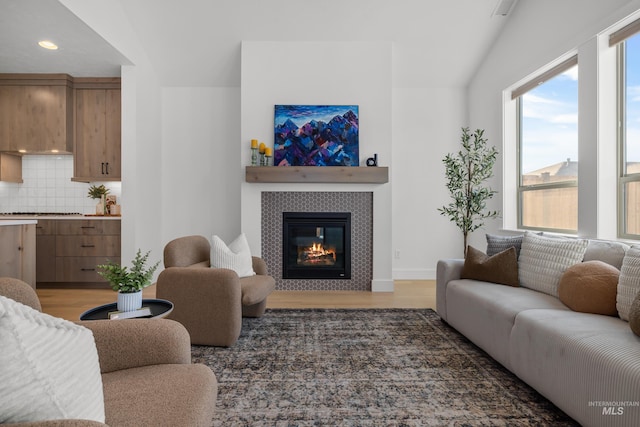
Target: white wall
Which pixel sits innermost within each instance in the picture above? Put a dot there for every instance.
(317, 73)
(200, 182)
(525, 47)
(426, 126)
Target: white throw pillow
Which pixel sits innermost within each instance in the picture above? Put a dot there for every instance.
(543, 260)
(49, 368)
(236, 256)
(629, 282)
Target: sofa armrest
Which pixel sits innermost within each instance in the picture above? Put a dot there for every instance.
(132, 343)
(447, 270)
(207, 301)
(259, 266)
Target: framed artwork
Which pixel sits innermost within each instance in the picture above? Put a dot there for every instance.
(316, 135)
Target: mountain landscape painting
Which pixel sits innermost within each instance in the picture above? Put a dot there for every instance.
(316, 135)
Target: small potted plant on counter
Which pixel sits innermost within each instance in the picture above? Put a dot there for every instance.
(129, 283)
(99, 192)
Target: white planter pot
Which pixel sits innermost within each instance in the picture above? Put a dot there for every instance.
(129, 301)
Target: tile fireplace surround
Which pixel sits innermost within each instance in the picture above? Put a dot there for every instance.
(360, 204)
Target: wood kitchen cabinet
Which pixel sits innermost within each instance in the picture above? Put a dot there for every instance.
(18, 252)
(97, 130)
(36, 113)
(10, 167)
(70, 250)
(46, 250)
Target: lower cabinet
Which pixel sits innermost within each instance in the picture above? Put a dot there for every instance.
(18, 252)
(70, 250)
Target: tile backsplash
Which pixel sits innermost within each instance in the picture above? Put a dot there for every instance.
(47, 187)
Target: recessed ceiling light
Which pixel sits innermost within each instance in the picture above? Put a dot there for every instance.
(48, 44)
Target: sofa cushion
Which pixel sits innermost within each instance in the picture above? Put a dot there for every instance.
(485, 313)
(496, 244)
(629, 283)
(574, 359)
(606, 251)
(49, 368)
(236, 256)
(501, 268)
(543, 260)
(590, 287)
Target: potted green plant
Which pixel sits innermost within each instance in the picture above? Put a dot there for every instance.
(99, 192)
(466, 173)
(129, 282)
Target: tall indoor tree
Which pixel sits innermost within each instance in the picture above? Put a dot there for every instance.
(467, 172)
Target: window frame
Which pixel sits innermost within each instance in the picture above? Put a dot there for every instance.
(624, 178)
(521, 189)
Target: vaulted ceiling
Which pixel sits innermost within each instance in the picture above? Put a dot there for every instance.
(197, 42)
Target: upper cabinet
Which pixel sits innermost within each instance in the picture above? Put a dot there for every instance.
(97, 130)
(36, 113)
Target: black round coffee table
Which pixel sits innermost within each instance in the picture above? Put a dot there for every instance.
(159, 308)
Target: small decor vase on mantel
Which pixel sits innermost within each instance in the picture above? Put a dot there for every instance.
(129, 283)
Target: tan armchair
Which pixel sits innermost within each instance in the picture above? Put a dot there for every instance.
(210, 302)
(147, 375)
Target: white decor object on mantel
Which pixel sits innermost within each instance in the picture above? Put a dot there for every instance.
(129, 301)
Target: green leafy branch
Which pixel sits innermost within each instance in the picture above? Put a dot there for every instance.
(466, 172)
(126, 280)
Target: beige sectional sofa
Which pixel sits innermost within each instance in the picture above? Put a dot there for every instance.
(586, 364)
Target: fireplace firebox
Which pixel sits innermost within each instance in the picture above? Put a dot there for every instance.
(316, 245)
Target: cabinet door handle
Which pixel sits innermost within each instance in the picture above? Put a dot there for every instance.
(107, 168)
(102, 168)
(87, 269)
(88, 246)
(19, 248)
(88, 226)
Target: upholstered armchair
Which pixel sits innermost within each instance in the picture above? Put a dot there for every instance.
(145, 367)
(210, 302)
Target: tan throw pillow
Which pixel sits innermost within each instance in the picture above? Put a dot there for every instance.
(634, 315)
(501, 268)
(590, 287)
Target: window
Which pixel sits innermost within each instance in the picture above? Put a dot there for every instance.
(629, 136)
(548, 150)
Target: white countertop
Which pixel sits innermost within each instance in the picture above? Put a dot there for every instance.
(17, 222)
(5, 218)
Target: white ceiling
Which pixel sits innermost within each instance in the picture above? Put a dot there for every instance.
(81, 53)
(197, 42)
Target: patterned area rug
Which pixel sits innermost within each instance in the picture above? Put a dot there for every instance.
(380, 367)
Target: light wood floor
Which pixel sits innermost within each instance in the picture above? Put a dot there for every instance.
(71, 303)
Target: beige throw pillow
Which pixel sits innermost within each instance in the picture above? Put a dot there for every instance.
(236, 256)
(543, 260)
(629, 283)
(49, 368)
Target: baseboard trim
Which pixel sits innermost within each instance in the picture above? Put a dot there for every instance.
(415, 274)
(382, 286)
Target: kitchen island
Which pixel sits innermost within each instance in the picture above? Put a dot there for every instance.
(18, 249)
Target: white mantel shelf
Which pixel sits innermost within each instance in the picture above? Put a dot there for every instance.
(318, 174)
